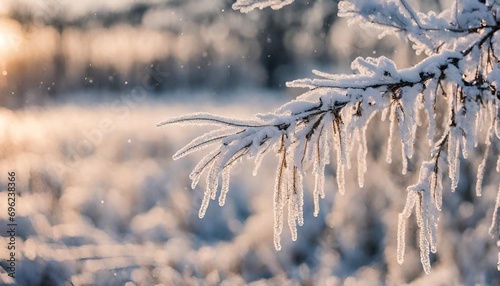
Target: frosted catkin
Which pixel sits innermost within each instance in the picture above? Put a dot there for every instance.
(404, 162)
(453, 160)
(424, 252)
(325, 146)
(258, 161)
(341, 178)
(318, 189)
(419, 106)
(226, 175)
(201, 166)
(436, 190)
(403, 132)
(419, 211)
(213, 179)
(411, 199)
(430, 218)
(412, 97)
(341, 156)
(319, 173)
(480, 172)
(468, 126)
(429, 98)
(362, 151)
(195, 180)
(300, 197)
(312, 144)
(401, 238)
(343, 143)
(388, 157)
(208, 192)
(291, 213)
(405, 138)
(424, 208)
(204, 204)
(495, 223)
(433, 223)
(279, 196)
(481, 117)
(299, 152)
(439, 192)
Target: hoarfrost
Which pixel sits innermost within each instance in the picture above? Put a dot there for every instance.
(461, 71)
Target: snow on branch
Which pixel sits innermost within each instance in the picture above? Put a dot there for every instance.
(462, 71)
(429, 32)
(246, 6)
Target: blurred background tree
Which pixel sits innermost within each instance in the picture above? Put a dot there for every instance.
(53, 48)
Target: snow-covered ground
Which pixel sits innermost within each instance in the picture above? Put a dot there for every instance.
(101, 202)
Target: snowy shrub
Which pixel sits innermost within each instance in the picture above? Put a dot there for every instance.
(454, 89)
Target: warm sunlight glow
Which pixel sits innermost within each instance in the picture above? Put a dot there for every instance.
(10, 38)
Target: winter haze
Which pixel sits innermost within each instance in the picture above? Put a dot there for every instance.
(100, 200)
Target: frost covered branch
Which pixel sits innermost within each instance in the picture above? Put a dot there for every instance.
(246, 6)
(461, 72)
